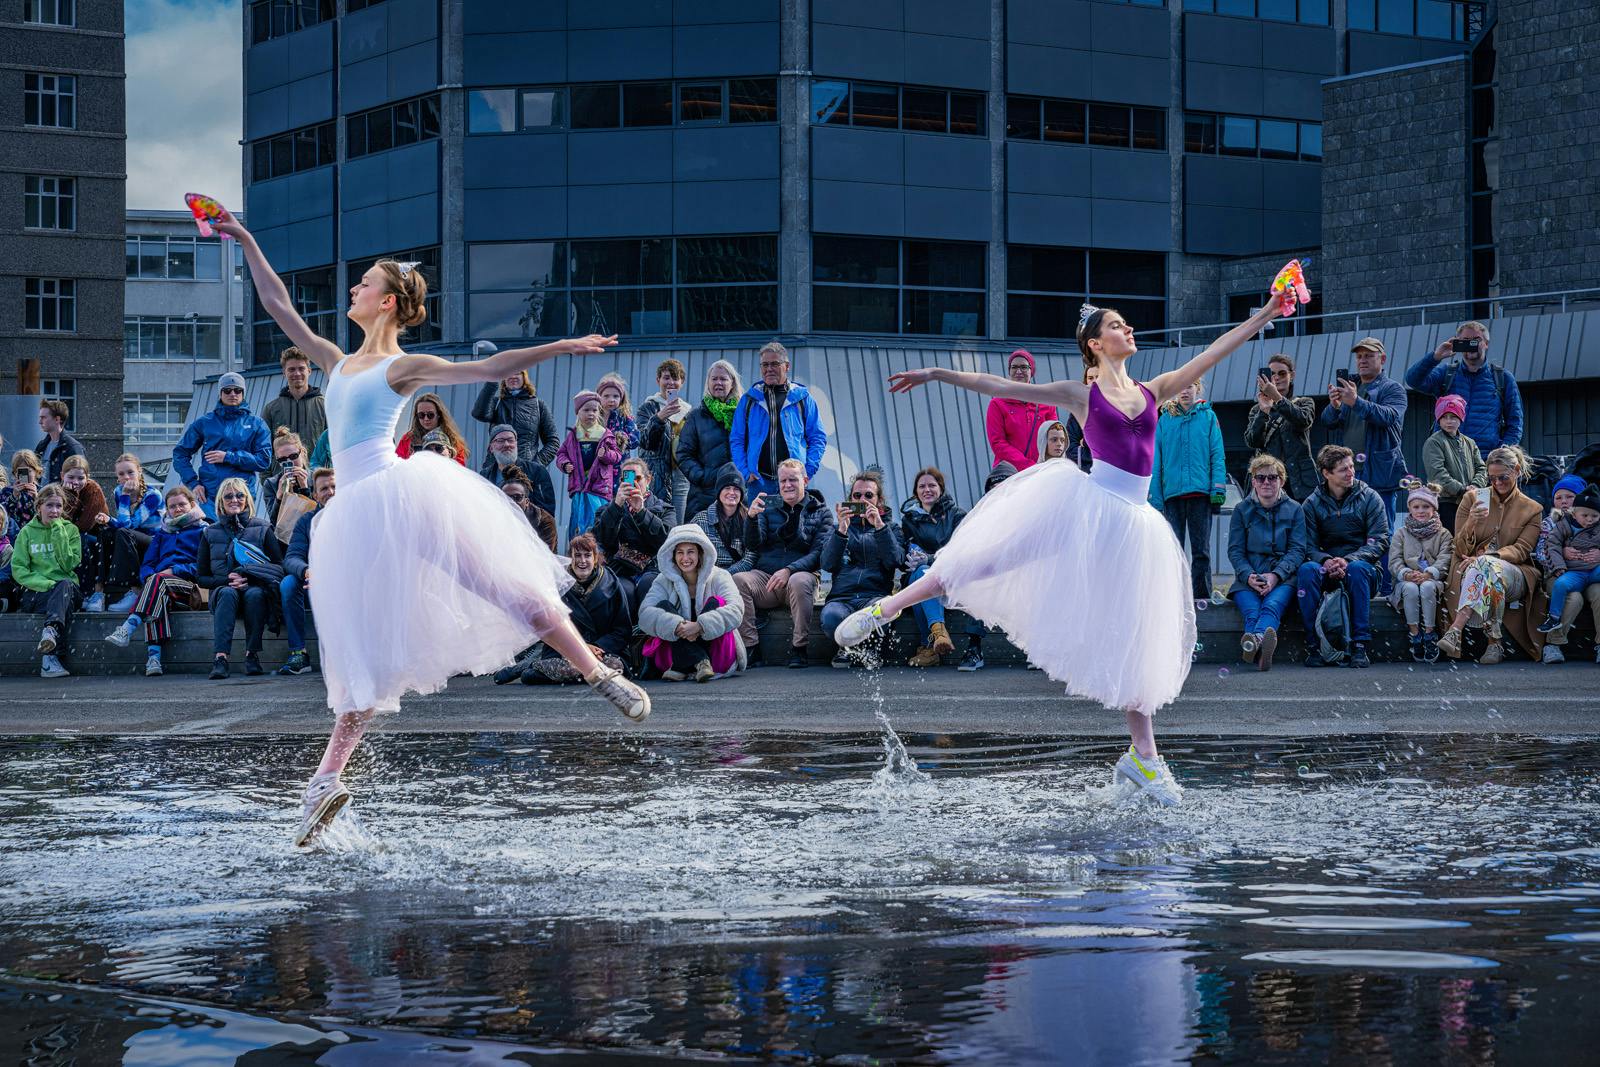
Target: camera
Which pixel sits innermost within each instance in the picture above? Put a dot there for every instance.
(1465, 344)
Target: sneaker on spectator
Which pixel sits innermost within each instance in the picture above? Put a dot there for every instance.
(252, 663)
(50, 667)
(1552, 654)
(860, 625)
(621, 693)
(1358, 655)
(219, 668)
(841, 659)
(121, 635)
(49, 637)
(1492, 654)
(1268, 647)
(798, 660)
(1450, 643)
(1416, 647)
(123, 605)
(300, 663)
(1550, 624)
(1430, 647)
(1151, 776)
(95, 603)
(1314, 659)
(971, 660)
(673, 676)
(1249, 645)
(703, 671)
(152, 665)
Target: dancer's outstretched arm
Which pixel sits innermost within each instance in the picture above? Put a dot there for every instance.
(1168, 385)
(414, 371)
(991, 385)
(275, 297)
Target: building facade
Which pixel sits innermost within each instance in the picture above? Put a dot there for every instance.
(62, 176)
(184, 319)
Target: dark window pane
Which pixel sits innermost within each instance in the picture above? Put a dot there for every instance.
(621, 263)
(647, 105)
(1433, 19)
(207, 260)
(624, 311)
(855, 310)
(1238, 136)
(728, 309)
(1109, 125)
(430, 117)
(491, 111)
(596, 107)
(704, 260)
(1310, 140)
(130, 252)
(830, 103)
(153, 258)
(1314, 12)
(1022, 118)
(700, 102)
(1140, 314)
(967, 114)
(536, 314)
(1360, 14)
(1149, 128)
(1053, 270)
(260, 161)
(355, 136)
(1131, 273)
(535, 265)
(1064, 121)
(180, 259)
(282, 156)
(1279, 10)
(1040, 316)
(1482, 112)
(542, 109)
(380, 130)
(861, 260)
(925, 110)
(327, 147)
(305, 150)
(1200, 133)
(875, 105)
(946, 314)
(1483, 220)
(406, 122)
(1277, 139)
(753, 100)
(945, 264)
(1396, 16)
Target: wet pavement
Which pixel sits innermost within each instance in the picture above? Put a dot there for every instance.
(619, 896)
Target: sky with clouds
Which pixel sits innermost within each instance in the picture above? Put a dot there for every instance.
(185, 101)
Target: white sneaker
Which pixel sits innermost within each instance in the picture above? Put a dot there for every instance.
(623, 694)
(325, 798)
(1150, 775)
(152, 666)
(860, 625)
(123, 605)
(1552, 654)
(96, 602)
(50, 667)
(121, 635)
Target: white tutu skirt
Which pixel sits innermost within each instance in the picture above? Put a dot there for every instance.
(422, 570)
(1084, 576)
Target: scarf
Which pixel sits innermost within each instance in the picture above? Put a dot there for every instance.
(721, 410)
(590, 434)
(184, 521)
(1422, 530)
(586, 586)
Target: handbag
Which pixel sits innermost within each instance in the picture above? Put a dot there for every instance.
(290, 509)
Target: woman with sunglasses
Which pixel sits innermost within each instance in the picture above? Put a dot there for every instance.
(428, 414)
(231, 443)
(424, 569)
(1266, 545)
(238, 554)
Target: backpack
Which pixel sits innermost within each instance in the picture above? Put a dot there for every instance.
(1586, 464)
(1499, 391)
(1333, 625)
(1540, 481)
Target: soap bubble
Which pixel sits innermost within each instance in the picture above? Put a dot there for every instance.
(1201, 605)
(1222, 672)
(1361, 457)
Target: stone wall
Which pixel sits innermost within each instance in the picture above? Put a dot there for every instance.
(1394, 188)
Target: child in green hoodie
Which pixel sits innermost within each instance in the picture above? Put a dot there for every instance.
(43, 563)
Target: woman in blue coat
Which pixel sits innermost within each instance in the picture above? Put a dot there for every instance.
(1189, 481)
(167, 578)
(1266, 545)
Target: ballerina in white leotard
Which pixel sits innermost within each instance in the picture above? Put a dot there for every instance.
(424, 570)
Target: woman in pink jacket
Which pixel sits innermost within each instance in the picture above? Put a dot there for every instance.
(1013, 425)
(589, 458)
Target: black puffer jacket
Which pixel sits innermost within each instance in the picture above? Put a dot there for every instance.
(525, 413)
(783, 537)
(864, 563)
(631, 541)
(702, 452)
(929, 530)
(215, 561)
(601, 612)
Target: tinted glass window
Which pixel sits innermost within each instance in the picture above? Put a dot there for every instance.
(957, 266)
(1238, 136)
(967, 114)
(1136, 273)
(1149, 128)
(855, 310)
(753, 100)
(530, 265)
(1022, 118)
(648, 105)
(621, 262)
(861, 260)
(491, 111)
(1055, 270)
(543, 109)
(704, 260)
(1028, 315)
(700, 102)
(946, 314)
(924, 110)
(1277, 139)
(1199, 133)
(875, 105)
(1064, 121)
(1109, 125)
(830, 103)
(728, 309)
(595, 107)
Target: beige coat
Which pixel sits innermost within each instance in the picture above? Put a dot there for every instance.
(1512, 524)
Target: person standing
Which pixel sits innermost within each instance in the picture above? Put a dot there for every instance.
(56, 444)
(702, 448)
(1368, 417)
(299, 405)
(232, 443)
(661, 419)
(1013, 425)
(1489, 393)
(776, 420)
(1280, 425)
(1190, 479)
(294, 589)
(1452, 460)
(513, 402)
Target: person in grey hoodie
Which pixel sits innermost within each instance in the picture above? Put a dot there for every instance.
(1347, 537)
(692, 612)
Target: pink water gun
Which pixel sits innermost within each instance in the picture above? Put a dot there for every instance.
(1290, 286)
(206, 211)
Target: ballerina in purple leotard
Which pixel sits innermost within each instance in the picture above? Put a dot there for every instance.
(1082, 574)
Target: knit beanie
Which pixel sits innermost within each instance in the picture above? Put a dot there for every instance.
(502, 427)
(1422, 492)
(1450, 404)
(1572, 484)
(1589, 498)
(583, 398)
(728, 475)
(1025, 354)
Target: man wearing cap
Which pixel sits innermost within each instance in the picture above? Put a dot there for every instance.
(1013, 425)
(231, 442)
(502, 454)
(1494, 403)
(1370, 413)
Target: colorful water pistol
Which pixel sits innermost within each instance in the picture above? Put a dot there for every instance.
(1290, 286)
(206, 211)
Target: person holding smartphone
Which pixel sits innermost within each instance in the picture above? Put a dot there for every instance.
(1280, 425)
(632, 528)
(1460, 365)
(20, 498)
(1366, 413)
(863, 552)
(661, 419)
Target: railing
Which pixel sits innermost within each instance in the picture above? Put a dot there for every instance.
(1497, 304)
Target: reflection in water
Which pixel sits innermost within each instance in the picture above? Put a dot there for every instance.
(773, 896)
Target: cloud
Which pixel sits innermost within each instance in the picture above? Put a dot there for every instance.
(185, 101)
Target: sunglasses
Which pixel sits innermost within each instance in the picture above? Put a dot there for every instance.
(1262, 479)
(429, 415)
(233, 390)
(863, 496)
(1502, 479)
(234, 496)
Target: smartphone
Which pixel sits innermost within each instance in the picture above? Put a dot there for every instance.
(1348, 375)
(671, 394)
(629, 475)
(1464, 344)
(855, 507)
(1264, 372)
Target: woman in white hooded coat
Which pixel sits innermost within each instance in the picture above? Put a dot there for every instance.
(692, 612)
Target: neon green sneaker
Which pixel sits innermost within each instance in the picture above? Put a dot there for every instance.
(1150, 775)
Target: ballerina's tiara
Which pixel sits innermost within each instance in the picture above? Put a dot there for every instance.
(1083, 314)
(407, 268)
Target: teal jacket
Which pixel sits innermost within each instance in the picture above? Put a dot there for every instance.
(1189, 456)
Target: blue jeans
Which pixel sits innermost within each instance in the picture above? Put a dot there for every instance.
(293, 595)
(226, 602)
(1262, 613)
(1358, 582)
(760, 484)
(929, 612)
(1571, 581)
(835, 611)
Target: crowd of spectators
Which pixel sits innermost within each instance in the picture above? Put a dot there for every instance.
(691, 517)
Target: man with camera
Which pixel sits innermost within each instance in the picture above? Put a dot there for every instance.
(1460, 365)
(862, 552)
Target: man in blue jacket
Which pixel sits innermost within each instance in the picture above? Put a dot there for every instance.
(776, 420)
(1494, 403)
(232, 444)
(297, 575)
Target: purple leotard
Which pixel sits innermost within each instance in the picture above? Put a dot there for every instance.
(1127, 444)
